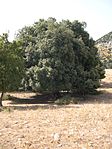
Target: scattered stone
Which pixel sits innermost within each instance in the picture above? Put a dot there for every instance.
(22, 136)
(25, 122)
(56, 137)
(28, 143)
(19, 139)
(9, 132)
(26, 126)
(59, 145)
(71, 132)
(7, 126)
(16, 122)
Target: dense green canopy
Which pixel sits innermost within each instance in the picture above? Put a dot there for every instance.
(60, 56)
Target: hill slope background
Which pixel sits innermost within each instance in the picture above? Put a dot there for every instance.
(104, 45)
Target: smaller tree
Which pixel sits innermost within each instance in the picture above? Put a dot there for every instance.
(11, 65)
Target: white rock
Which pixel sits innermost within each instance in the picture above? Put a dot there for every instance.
(71, 132)
(19, 139)
(59, 145)
(26, 126)
(56, 137)
(25, 122)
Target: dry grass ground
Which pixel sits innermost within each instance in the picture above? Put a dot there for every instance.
(87, 125)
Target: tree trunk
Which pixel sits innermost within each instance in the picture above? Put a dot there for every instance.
(1, 99)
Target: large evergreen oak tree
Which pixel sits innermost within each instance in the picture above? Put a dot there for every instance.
(60, 56)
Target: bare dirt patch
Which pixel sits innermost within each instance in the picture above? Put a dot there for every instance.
(87, 125)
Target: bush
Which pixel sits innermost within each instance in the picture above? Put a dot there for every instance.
(7, 97)
(65, 100)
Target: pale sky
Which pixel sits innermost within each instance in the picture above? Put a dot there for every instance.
(15, 14)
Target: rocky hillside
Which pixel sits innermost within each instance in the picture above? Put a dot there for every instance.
(105, 41)
(104, 45)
